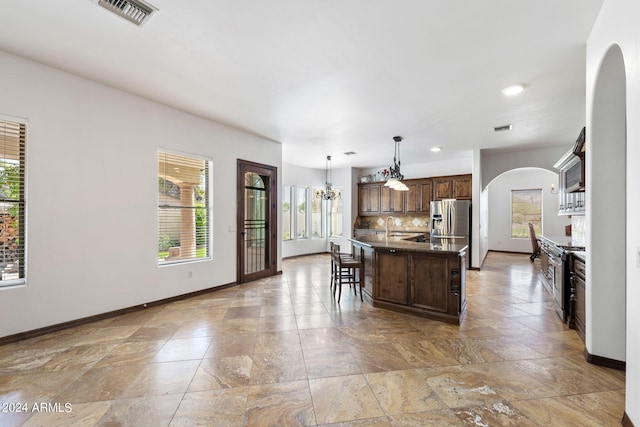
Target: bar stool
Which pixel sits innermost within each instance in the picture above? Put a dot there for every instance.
(335, 250)
(346, 269)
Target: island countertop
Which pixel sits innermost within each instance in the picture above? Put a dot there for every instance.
(406, 242)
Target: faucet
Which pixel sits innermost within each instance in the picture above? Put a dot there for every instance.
(386, 226)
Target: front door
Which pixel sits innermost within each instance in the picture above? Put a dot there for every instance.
(257, 221)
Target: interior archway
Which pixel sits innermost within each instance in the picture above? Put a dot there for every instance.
(606, 212)
(490, 208)
(499, 202)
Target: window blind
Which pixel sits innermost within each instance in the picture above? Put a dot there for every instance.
(12, 202)
(183, 209)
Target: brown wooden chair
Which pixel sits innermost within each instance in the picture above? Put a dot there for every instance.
(335, 250)
(535, 246)
(346, 268)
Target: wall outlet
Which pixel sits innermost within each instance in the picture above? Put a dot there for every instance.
(189, 274)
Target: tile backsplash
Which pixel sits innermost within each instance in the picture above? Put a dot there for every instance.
(578, 230)
(417, 223)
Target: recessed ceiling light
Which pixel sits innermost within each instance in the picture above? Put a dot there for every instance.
(513, 90)
(436, 149)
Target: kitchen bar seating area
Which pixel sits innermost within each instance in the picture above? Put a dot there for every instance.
(281, 351)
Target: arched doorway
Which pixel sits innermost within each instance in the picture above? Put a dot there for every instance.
(607, 213)
(499, 218)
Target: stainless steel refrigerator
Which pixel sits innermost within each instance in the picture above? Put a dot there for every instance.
(451, 223)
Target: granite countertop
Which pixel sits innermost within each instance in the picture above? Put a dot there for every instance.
(403, 243)
(381, 230)
(563, 242)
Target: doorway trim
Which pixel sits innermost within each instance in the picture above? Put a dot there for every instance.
(270, 176)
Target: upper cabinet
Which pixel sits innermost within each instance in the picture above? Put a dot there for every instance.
(571, 166)
(369, 199)
(418, 198)
(391, 201)
(375, 199)
(452, 187)
(462, 187)
(442, 188)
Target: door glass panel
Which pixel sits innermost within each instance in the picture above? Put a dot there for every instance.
(256, 250)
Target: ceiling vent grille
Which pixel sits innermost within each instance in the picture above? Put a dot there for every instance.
(502, 128)
(135, 11)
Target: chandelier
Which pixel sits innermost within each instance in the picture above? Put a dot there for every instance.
(328, 193)
(395, 177)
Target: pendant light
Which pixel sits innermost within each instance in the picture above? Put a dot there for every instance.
(328, 193)
(395, 177)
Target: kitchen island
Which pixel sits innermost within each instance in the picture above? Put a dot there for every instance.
(408, 274)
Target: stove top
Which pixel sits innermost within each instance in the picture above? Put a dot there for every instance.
(564, 242)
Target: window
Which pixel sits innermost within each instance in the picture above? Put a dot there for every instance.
(526, 207)
(335, 216)
(183, 208)
(316, 215)
(12, 203)
(309, 211)
(286, 213)
(301, 212)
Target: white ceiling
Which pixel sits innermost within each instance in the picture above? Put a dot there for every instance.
(330, 76)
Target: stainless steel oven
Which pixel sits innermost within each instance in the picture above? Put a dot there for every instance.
(557, 277)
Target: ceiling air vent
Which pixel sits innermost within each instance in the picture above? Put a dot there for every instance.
(135, 11)
(502, 128)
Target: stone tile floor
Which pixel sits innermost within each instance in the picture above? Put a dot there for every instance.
(281, 352)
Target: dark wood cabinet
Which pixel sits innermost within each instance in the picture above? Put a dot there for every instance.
(452, 187)
(412, 197)
(391, 201)
(578, 276)
(429, 278)
(426, 196)
(418, 198)
(367, 278)
(462, 188)
(369, 199)
(376, 199)
(391, 273)
(427, 284)
(442, 188)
